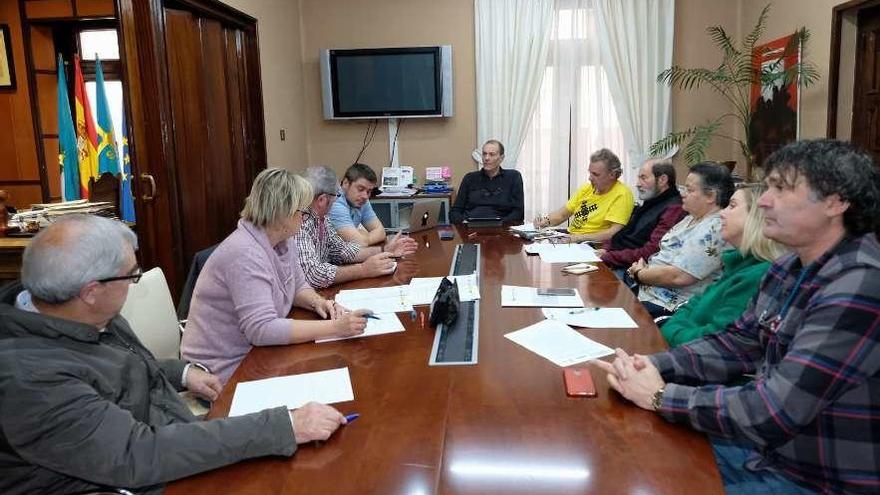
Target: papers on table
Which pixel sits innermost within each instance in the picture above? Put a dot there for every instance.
(591, 317)
(512, 295)
(526, 227)
(326, 387)
(564, 253)
(387, 323)
(559, 343)
(528, 231)
(422, 290)
(378, 300)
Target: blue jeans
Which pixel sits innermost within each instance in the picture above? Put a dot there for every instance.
(731, 458)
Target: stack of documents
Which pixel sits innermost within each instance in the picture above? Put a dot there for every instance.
(591, 317)
(512, 295)
(559, 343)
(422, 290)
(378, 299)
(326, 387)
(386, 323)
(564, 253)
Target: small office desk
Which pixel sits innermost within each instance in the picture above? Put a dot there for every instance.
(504, 425)
(390, 209)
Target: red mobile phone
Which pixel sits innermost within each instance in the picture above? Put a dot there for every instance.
(579, 382)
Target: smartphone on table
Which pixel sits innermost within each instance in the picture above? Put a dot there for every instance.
(579, 382)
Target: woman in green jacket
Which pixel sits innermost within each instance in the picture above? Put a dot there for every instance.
(726, 299)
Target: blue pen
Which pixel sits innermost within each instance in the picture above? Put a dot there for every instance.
(351, 417)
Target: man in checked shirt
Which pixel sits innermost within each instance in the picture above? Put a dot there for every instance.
(328, 259)
(790, 392)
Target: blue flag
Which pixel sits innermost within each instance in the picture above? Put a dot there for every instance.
(67, 154)
(125, 197)
(108, 159)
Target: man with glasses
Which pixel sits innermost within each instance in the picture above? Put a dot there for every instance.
(790, 392)
(325, 257)
(352, 214)
(491, 192)
(84, 405)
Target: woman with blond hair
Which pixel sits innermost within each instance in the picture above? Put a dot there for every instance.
(253, 279)
(742, 224)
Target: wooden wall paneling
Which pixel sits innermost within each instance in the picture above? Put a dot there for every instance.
(47, 9)
(43, 46)
(47, 99)
(35, 109)
(95, 8)
(23, 195)
(151, 146)
(185, 76)
(10, 167)
(256, 137)
(53, 169)
(220, 196)
(237, 101)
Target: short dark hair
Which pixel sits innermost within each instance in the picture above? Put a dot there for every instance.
(664, 168)
(833, 167)
(496, 143)
(714, 177)
(606, 156)
(360, 171)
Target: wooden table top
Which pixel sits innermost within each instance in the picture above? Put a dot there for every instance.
(504, 425)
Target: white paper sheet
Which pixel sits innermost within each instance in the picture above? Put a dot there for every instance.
(387, 323)
(591, 317)
(293, 391)
(378, 299)
(512, 295)
(559, 343)
(526, 227)
(423, 289)
(564, 253)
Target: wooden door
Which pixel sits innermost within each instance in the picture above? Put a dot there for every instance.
(197, 124)
(866, 94)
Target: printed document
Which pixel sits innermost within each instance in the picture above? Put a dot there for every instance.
(563, 253)
(512, 295)
(378, 299)
(387, 323)
(293, 391)
(423, 289)
(559, 343)
(591, 317)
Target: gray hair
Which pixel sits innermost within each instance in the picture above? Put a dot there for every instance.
(71, 252)
(322, 179)
(275, 195)
(606, 156)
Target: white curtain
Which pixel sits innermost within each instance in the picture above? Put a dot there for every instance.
(575, 115)
(512, 37)
(635, 43)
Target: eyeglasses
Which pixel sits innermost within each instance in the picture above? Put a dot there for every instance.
(305, 215)
(135, 277)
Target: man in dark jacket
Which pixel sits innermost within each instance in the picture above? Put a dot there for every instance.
(659, 211)
(491, 191)
(84, 405)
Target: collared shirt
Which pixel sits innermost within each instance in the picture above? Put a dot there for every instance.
(481, 196)
(343, 214)
(321, 250)
(812, 338)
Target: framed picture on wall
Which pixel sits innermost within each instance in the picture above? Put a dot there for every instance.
(7, 69)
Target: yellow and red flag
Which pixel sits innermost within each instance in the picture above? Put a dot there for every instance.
(86, 135)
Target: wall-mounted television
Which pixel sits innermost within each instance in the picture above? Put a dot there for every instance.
(371, 83)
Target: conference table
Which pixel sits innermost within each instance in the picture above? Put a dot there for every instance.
(504, 425)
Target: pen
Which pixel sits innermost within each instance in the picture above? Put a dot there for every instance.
(351, 417)
(372, 316)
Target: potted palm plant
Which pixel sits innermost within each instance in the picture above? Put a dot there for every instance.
(740, 68)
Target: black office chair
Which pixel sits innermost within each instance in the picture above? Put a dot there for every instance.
(195, 269)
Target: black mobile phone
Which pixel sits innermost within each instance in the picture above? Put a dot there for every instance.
(556, 292)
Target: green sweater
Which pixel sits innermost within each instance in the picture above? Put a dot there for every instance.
(722, 302)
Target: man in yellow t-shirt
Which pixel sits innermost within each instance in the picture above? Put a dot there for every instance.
(599, 209)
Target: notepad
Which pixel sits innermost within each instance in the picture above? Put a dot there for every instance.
(293, 391)
(559, 343)
(387, 323)
(591, 317)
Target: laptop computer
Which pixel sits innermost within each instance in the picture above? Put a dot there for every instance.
(424, 216)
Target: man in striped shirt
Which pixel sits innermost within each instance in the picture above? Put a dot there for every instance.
(325, 257)
(807, 416)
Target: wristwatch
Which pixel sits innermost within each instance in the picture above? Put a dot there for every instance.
(657, 399)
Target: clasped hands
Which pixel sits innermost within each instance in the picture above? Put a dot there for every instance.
(634, 377)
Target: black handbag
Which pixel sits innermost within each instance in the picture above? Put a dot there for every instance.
(444, 308)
